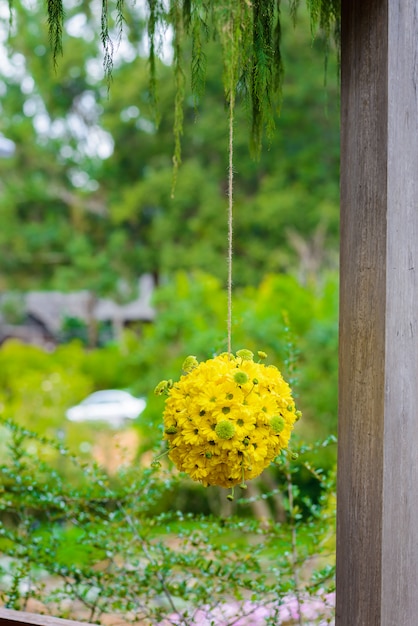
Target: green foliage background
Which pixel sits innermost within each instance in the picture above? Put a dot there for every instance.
(73, 219)
(85, 203)
(295, 325)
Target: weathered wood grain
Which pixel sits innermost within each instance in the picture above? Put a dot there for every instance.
(377, 510)
(21, 618)
(400, 488)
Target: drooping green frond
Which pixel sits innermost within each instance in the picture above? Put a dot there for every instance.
(199, 34)
(293, 8)
(10, 13)
(156, 17)
(178, 24)
(278, 69)
(55, 26)
(187, 12)
(107, 43)
(249, 33)
(324, 14)
(263, 70)
(228, 20)
(120, 19)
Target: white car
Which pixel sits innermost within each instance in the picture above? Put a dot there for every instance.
(112, 406)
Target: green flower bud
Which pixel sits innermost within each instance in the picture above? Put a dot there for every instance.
(277, 423)
(298, 415)
(245, 355)
(161, 387)
(171, 430)
(190, 364)
(261, 354)
(240, 378)
(225, 430)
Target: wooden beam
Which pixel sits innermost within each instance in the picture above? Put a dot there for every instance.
(9, 617)
(377, 505)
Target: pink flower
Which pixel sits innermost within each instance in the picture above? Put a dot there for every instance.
(252, 614)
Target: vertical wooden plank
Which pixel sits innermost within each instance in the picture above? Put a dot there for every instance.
(400, 490)
(377, 510)
(362, 311)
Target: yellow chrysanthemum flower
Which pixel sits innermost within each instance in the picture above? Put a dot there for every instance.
(227, 418)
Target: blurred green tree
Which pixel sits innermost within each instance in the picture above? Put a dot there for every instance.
(85, 201)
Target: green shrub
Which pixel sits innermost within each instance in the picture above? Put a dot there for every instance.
(100, 546)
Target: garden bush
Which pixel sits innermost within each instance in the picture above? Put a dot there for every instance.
(101, 547)
(149, 545)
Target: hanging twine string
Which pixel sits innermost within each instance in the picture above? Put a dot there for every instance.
(230, 214)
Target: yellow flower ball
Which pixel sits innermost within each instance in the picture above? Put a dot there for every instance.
(227, 418)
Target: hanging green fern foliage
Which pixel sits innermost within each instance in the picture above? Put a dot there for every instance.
(55, 25)
(248, 32)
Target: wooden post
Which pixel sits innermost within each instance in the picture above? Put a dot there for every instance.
(377, 510)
